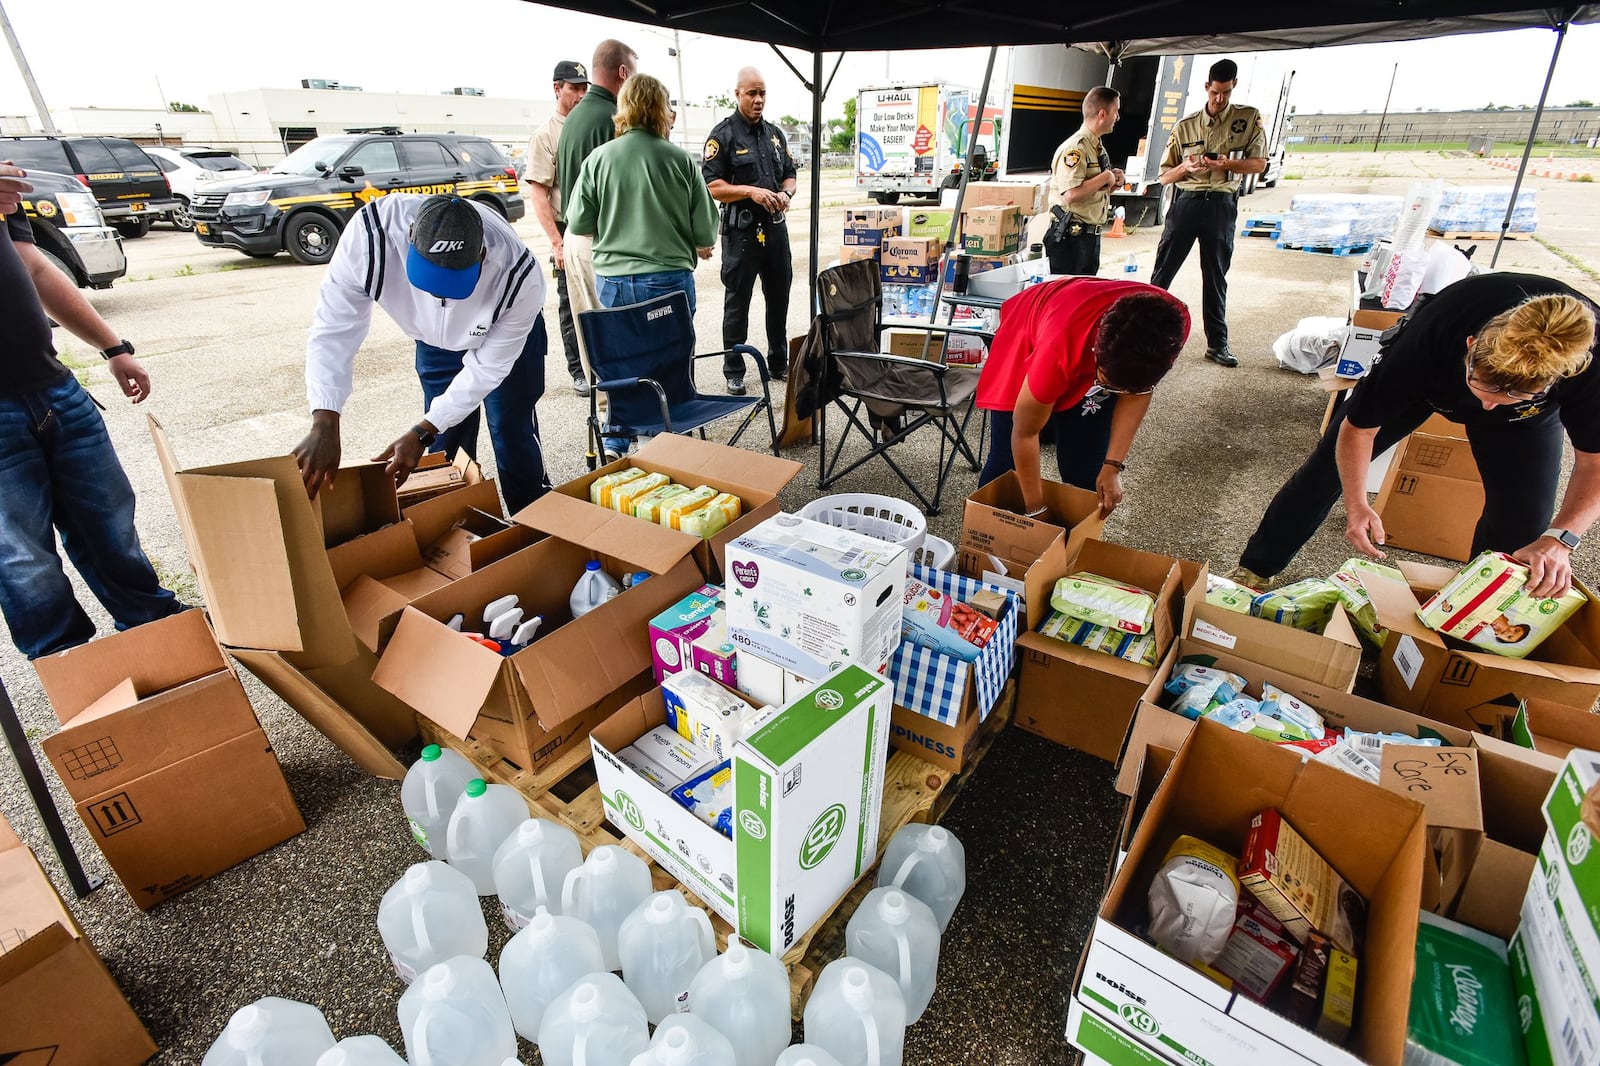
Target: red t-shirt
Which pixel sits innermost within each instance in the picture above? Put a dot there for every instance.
(1046, 338)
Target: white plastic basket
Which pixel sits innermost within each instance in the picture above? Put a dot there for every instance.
(867, 513)
(935, 553)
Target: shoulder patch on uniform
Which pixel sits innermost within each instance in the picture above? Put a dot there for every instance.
(1072, 158)
(1239, 125)
(712, 148)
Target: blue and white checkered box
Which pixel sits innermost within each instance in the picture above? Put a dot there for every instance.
(935, 685)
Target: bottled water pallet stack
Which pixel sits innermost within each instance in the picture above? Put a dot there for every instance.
(1337, 224)
(913, 791)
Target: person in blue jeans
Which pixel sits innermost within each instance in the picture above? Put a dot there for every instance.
(58, 470)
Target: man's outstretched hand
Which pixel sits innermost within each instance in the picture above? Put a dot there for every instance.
(318, 454)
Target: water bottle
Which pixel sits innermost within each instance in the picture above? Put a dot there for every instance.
(806, 1055)
(662, 944)
(1130, 265)
(856, 1012)
(429, 793)
(271, 1032)
(547, 956)
(897, 933)
(484, 816)
(454, 1015)
(745, 995)
(604, 891)
(361, 1051)
(684, 1040)
(593, 588)
(928, 862)
(530, 867)
(431, 914)
(596, 1022)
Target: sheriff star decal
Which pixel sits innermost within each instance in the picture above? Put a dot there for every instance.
(1072, 159)
(712, 148)
(777, 145)
(1239, 125)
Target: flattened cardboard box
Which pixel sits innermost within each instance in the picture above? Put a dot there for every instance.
(998, 542)
(179, 785)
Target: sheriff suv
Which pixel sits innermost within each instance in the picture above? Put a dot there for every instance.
(70, 231)
(303, 204)
(129, 186)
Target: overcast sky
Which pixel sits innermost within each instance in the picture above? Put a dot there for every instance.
(508, 48)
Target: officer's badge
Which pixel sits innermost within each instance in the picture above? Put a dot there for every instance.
(777, 145)
(712, 148)
(1239, 125)
(583, 71)
(1072, 159)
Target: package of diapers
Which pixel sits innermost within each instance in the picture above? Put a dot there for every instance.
(1229, 595)
(649, 506)
(1350, 580)
(1105, 602)
(1304, 605)
(1140, 649)
(625, 495)
(684, 502)
(602, 487)
(709, 518)
(1487, 605)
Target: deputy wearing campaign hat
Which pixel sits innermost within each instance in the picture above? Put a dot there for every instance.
(457, 280)
(570, 82)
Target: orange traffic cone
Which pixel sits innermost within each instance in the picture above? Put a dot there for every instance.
(1117, 228)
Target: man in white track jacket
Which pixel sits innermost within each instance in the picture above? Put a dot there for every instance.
(457, 279)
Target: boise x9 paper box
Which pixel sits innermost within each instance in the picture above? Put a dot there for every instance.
(810, 597)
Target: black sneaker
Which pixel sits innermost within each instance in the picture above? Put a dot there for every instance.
(1222, 357)
(736, 385)
(580, 384)
(779, 370)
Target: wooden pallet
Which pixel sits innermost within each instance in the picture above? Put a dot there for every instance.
(567, 792)
(1477, 235)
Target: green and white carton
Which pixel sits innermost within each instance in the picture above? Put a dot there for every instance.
(1530, 1019)
(1463, 1006)
(808, 792)
(1565, 996)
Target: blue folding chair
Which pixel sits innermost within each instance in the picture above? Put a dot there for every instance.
(642, 357)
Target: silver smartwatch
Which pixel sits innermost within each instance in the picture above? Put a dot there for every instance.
(1570, 539)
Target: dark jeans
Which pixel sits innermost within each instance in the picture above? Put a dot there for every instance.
(1073, 255)
(760, 252)
(58, 471)
(1082, 435)
(1519, 465)
(513, 419)
(569, 330)
(1211, 220)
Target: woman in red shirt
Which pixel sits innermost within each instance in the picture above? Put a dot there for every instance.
(1080, 356)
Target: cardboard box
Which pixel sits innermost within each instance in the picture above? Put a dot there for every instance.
(158, 746)
(1563, 988)
(755, 477)
(991, 230)
(438, 474)
(976, 264)
(1218, 782)
(1362, 338)
(1418, 672)
(1540, 726)
(533, 706)
(1534, 1039)
(808, 790)
(873, 217)
(939, 700)
(910, 261)
(868, 236)
(931, 222)
(1029, 197)
(1495, 876)
(999, 544)
(1150, 769)
(811, 597)
(850, 253)
(1080, 698)
(1331, 658)
(1432, 497)
(60, 1004)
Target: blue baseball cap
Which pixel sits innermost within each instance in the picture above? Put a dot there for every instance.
(446, 256)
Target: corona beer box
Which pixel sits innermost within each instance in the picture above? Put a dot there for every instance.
(909, 261)
(808, 790)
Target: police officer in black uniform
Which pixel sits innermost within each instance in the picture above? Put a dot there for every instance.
(749, 172)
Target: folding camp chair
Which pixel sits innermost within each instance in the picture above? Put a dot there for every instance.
(898, 395)
(642, 357)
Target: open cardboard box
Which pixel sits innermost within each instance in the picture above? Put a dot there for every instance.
(755, 477)
(532, 706)
(998, 544)
(1331, 658)
(1539, 730)
(1420, 672)
(1074, 696)
(258, 547)
(1493, 876)
(59, 1004)
(438, 474)
(1219, 781)
(163, 756)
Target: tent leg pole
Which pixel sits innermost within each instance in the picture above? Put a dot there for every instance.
(817, 92)
(1527, 148)
(966, 170)
(17, 738)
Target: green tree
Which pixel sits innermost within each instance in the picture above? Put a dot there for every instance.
(178, 105)
(721, 101)
(1581, 103)
(789, 120)
(843, 138)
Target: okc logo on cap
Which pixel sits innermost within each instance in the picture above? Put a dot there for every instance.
(446, 255)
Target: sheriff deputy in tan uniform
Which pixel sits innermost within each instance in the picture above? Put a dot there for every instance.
(1206, 156)
(1081, 180)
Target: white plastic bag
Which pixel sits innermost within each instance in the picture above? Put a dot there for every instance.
(1314, 342)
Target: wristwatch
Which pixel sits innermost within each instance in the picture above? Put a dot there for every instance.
(1571, 540)
(122, 347)
(424, 435)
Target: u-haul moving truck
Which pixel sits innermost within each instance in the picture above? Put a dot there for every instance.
(911, 139)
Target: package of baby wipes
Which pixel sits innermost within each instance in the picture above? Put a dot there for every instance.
(1134, 649)
(1487, 605)
(1276, 703)
(1304, 605)
(1229, 595)
(602, 487)
(1350, 580)
(1194, 689)
(1105, 602)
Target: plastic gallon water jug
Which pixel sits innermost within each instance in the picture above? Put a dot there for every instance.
(662, 944)
(897, 932)
(431, 914)
(484, 816)
(929, 863)
(604, 891)
(430, 791)
(361, 1051)
(271, 1032)
(531, 866)
(806, 1055)
(856, 1012)
(596, 1022)
(684, 1040)
(745, 995)
(544, 959)
(593, 588)
(454, 1015)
